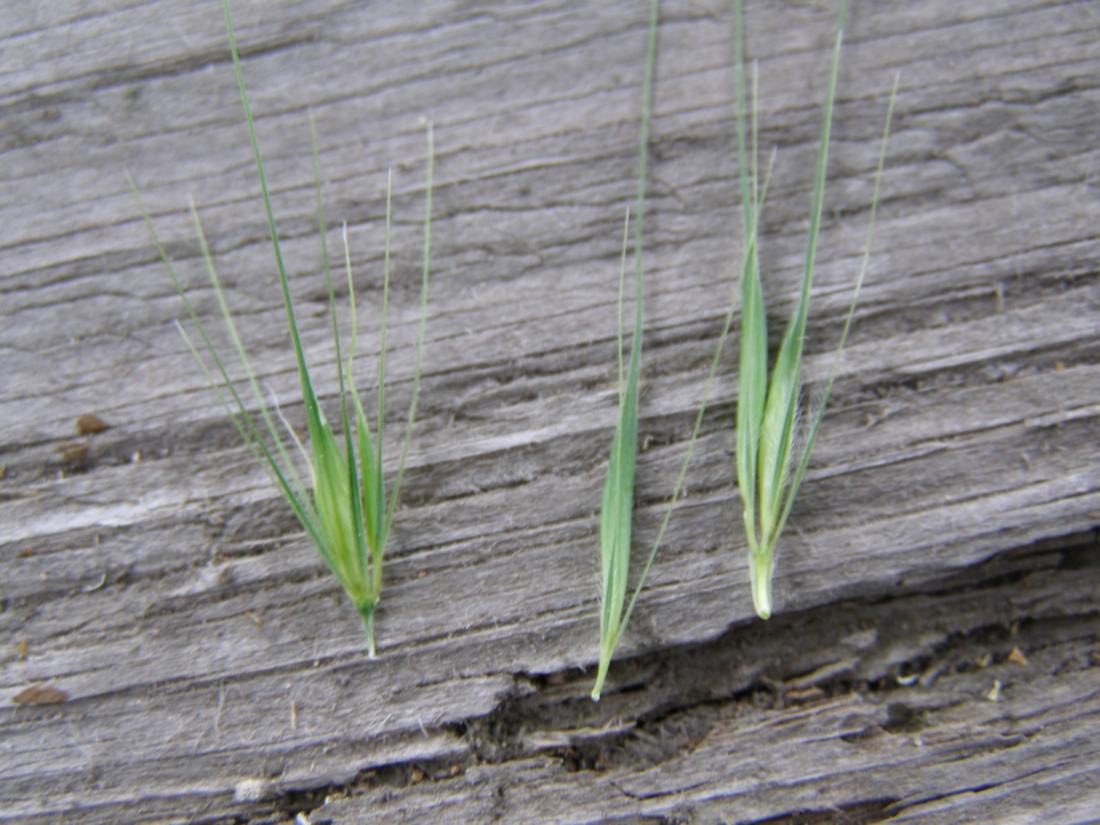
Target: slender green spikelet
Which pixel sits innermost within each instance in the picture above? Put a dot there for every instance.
(617, 509)
(769, 458)
(344, 507)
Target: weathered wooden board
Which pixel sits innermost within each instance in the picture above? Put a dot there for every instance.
(210, 670)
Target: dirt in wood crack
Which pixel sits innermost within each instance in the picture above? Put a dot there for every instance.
(873, 810)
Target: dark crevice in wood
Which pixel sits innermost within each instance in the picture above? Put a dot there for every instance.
(855, 813)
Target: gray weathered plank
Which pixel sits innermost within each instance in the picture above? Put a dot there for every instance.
(212, 669)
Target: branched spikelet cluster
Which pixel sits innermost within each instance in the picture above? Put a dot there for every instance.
(346, 509)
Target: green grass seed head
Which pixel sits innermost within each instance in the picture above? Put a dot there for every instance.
(346, 509)
(617, 504)
(617, 510)
(771, 458)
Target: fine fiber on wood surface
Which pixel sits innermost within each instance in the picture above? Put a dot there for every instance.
(172, 648)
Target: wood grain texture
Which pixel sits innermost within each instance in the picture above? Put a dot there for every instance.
(212, 670)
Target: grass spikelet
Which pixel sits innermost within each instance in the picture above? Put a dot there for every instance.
(617, 508)
(771, 459)
(345, 508)
(617, 505)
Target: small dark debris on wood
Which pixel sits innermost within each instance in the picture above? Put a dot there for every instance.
(74, 455)
(89, 424)
(40, 695)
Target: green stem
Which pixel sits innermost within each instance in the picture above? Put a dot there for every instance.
(366, 616)
(760, 566)
(601, 671)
